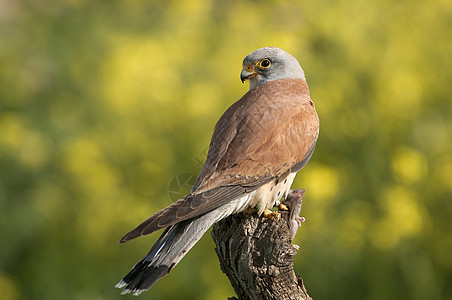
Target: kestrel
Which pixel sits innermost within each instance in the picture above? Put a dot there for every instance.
(258, 146)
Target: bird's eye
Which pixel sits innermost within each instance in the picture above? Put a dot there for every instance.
(264, 64)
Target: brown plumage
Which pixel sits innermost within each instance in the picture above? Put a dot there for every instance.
(270, 131)
(258, 146)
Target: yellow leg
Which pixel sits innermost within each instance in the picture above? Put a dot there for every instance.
(272, 214)
(283, 207)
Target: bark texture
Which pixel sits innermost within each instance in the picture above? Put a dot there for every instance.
(257, 256)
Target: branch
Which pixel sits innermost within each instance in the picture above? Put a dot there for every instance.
(257, 255)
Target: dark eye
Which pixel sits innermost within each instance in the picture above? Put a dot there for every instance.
(265, 63)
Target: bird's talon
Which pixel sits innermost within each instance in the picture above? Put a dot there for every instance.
(283, 207)
(272, 214)
(267, 213)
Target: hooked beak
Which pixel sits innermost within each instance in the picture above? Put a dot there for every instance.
(247, 73)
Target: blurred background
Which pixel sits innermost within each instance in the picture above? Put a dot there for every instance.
(107, 109)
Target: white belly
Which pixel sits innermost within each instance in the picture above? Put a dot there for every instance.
(262, 198)
(266, 195)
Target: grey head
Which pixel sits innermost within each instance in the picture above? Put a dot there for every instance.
(270, 63)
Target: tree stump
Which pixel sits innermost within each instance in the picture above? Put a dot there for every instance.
(257, 256)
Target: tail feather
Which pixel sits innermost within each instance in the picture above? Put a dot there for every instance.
(171, 247)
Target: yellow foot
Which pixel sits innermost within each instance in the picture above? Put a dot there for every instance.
(272, 214)
(251, 210)
(283, 207)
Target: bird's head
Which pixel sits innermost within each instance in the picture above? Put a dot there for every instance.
(270, 63)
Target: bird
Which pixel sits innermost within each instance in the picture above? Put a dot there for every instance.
(258, 145)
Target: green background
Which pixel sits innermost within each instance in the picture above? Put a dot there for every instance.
(105, 104)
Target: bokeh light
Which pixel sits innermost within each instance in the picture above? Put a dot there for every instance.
(103, 104)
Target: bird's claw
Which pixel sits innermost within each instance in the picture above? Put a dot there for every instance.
(283, 207)
(272, 214)
(296, 247)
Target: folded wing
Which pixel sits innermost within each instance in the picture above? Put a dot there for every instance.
(260, 137)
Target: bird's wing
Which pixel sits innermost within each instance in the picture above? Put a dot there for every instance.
(271, 130)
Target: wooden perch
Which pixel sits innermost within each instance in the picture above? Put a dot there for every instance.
(257, 256)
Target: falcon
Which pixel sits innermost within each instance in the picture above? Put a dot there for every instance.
(257, 147)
